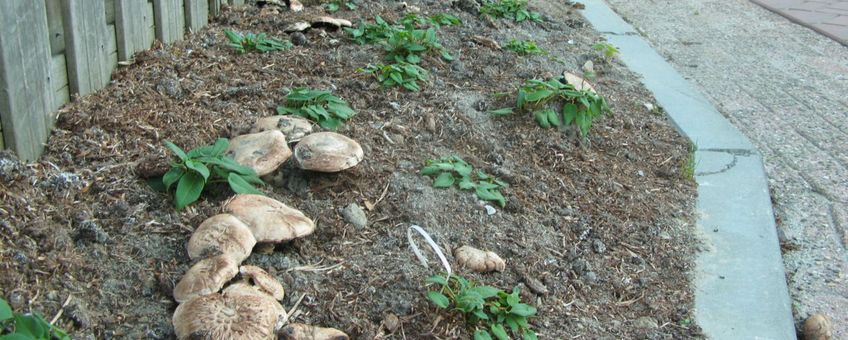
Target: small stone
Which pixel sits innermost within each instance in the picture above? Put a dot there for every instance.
(649, 107)
(490, 210)
(598, 246)
(646, 322)
(535, 285)
(354, 214)
(295, 6)
(818, 327)
(590, 277)
(589, 67)
(391, 322)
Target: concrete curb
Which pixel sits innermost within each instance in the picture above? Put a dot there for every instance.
(740, 286)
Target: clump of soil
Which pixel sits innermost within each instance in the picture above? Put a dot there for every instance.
(597, 232)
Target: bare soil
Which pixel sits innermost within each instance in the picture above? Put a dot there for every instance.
(604, 224)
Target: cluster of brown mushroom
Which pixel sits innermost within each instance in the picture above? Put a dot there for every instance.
(250, 308)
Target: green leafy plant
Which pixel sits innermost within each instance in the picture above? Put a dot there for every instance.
(399, 74)
(335, 5)
(578, 107)
(450, 170)
(409, 44)
(438, 20)
(488, 311)
(17, 326)
(510, 9)
(247, 42)
(374, 33)
(204, 165)
(524, 47)
(689, 165)
(329, 111)
(609, 50)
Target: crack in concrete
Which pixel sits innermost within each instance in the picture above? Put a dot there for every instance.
(733, 152)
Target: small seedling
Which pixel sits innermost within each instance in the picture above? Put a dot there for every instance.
(579, 107)
(510, 9)
(438, 20)
(609, 50)
(400, 74)
(329, 111)
(450, 170)
(335, 5)
(488, 311)
(524, 47)
(247, 42)
(204, 165)
(17, 326)
(688, 170)
(374, 33)
(407, 45)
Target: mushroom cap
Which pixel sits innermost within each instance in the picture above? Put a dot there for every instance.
(579, 83)
(228, 316)
(299, 26)
(327, 152)
(478, 260)
(331, 22)
(818, 327)
(295, 6)
(299, 331)
(293, 127)
(264, 281)
(269, 220)
(206, 277)
(221, 234)
(264, 151)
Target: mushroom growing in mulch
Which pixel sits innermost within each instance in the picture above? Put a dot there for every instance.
(297, 331)
(293, 127)
(270, 220)
(221, 234)
(478, 260)
(206, 277)
(264, 151)
(327, 152)
(235, 314)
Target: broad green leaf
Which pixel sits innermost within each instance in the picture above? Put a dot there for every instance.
(490, 195)
(482, 335)
(172, 176)
(523, 309)
(198, 167)
(241, 186)
(282, 110)
(200, 151)
(463, 169)
(31, 325)
(529, 335)
(429, 170)
(234, 37)
(412, 86)
(553, 118)
(396, 77)
(175, 149)
(438, 299)
(538, 95)
(330, 124)
(501, 112)
(341, 110)
(188, 189)
(584, 123)
(437, 279)
(542, 119)
(480, 314)
(15, 336)
(5, 311)
(444, 180)
(499, 332)
(513, 326)
(220, 146)
(446, 55)
(569, 113)
(466, 183)
(469, 301)
(486, 291)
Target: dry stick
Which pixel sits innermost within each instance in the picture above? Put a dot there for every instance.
(61, 310)
(293, 309)
(383, 195)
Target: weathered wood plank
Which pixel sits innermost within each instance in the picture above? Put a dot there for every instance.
(109, 6)
(197, 14)
(237, 2)
(214, 8)
(131, 27)
(54, 25)
(86, 45)
(59, 82)
(170, 20)
(25, 95)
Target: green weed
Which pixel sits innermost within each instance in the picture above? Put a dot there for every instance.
(402, 74)
(247, 42)
(438, 20)
(450, 170)
(487, 310)
(688, 170)
(336, 5)
(608, 50)
(410, 44)
(203, 165)
(329, 111)
(510, 9)
(17, 326)
(525, 47)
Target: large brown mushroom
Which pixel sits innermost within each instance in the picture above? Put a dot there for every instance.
(327, 152)
(264, 281)
(221, 234)
(270, 220)
(293, 127)
(478, 260)
(235, 314)
(579, 83)
(206, 277)
(264, 151)
(297, 331)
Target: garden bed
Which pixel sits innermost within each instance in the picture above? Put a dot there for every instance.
(603, 224)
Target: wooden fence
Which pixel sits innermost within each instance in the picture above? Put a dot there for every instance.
(51, 50)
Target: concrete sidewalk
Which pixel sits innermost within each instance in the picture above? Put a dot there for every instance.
(828, 17)
(784, 86)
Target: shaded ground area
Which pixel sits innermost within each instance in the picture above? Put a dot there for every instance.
(603, 224)
(784, 87)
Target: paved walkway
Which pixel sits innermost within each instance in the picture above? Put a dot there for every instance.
(784, 86)
(828, 17)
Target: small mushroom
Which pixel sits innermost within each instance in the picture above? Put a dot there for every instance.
(299, 26)
(228, 316)
(221, 234)
(579, 83)
(478, 260)
(299, 331)
(295, 6)
(264, 151)
(818, 327)
(293, 127)
(264, 281)
(270, 220)
(329, 22)
(206, 277)
(327, 152)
